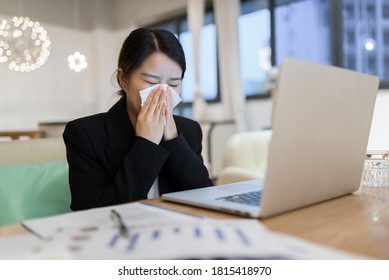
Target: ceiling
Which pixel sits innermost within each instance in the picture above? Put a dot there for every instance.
(91, 14)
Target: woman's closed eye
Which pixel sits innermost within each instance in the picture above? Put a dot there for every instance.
(151, 82)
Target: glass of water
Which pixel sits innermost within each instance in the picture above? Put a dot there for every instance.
(376, 169)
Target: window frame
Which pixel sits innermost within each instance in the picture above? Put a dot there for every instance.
(336, 28)
(266, 5)
(336, 36)
(336, 40)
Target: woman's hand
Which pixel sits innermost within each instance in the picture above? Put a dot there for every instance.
(151, 118)
(170, 129)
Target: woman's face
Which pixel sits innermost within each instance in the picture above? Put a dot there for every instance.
(156, 69)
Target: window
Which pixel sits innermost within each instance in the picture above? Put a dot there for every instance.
(302, 31)
(254, 45)
(368, 52)
(208, 60)
(348, 33)
(353, 34)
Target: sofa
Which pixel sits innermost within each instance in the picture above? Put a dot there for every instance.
(33, 179)
(245, 157)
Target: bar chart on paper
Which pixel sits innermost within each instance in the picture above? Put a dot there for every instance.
(186, 240)
(138, 231)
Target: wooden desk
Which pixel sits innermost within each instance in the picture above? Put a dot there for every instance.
(357, 223)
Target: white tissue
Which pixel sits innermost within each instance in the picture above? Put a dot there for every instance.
(176, 99)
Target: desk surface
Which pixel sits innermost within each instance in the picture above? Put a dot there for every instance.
(357, 223)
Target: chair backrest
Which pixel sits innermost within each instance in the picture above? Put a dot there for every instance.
(33, 179)
(35, 151)
(247, 149)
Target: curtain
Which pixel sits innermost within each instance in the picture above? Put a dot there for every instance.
(195, 22)
(226, 15)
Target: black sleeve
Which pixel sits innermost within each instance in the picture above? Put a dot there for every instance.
(185, 162)
(91, 181)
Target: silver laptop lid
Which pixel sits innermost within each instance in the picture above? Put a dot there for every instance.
(320, 134)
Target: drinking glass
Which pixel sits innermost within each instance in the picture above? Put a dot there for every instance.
(376, 169)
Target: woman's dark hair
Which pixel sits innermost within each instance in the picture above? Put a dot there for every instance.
(143, 42)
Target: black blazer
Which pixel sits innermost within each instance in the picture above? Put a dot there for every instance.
(109, 165)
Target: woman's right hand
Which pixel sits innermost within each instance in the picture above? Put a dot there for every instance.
(150, 122)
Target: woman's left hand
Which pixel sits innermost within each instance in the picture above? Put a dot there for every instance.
(170, 129)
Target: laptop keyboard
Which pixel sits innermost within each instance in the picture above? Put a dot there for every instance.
(250, 198)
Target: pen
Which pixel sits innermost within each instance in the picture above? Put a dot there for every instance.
(123, 230)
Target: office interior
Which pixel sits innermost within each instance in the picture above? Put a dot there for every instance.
(238, 86)
(54, 93)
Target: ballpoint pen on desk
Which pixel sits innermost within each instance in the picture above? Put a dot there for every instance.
(123, 229)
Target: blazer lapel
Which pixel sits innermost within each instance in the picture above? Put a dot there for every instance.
(120, 134)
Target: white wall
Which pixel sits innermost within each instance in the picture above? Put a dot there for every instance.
(54, 92)
(49, 92)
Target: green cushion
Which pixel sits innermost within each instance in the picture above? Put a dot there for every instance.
(32, 191)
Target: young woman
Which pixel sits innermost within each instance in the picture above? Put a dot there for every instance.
(135, 152)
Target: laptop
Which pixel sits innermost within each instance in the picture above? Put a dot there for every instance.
(320, 134)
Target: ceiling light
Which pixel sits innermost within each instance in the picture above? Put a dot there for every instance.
(77, 61)
(24, 44)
